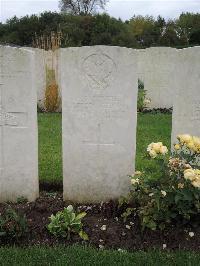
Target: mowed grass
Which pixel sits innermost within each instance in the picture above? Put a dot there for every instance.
(151, 128)
(76, 255)
(50, 147)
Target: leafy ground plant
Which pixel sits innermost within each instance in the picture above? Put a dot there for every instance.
(12, 224)
(66, 222)
(175, 196)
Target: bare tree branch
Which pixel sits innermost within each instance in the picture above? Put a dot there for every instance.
(79, 7)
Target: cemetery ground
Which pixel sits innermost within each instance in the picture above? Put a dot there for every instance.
(103, 223)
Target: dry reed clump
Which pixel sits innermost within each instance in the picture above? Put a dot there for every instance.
(51, 97)
(48, 42)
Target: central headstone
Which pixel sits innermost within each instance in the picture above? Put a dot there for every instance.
(99, 97)
(18, 125)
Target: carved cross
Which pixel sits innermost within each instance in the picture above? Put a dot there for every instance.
(98, 141)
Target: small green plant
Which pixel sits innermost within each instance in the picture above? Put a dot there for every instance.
(21, 200)
(12, 224)
(66, 222)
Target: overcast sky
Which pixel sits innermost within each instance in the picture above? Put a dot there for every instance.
(124, 9)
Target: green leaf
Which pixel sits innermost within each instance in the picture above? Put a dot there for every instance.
(177, 198)
(187, 195)
(83, 235)
(81, 215)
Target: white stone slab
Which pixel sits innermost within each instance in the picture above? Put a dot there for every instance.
(157, 66)
(99, 90)
(18, 125)
(186, 112)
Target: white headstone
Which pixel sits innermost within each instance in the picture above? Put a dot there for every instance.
(99, 96)
(186, 111)
(157, 65)
(18, 125)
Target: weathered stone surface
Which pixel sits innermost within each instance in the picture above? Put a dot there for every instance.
(18, 125)
(157, 66)
(99, 90)
(186, 111)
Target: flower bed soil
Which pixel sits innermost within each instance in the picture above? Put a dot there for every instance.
(118, 235)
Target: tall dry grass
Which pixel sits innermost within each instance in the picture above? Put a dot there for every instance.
(50, 42)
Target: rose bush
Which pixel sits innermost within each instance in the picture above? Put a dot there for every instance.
(175, 196)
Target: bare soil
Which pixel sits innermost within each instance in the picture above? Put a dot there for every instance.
(118, 235)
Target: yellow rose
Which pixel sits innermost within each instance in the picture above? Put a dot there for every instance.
(177, 147)
(153, 154)
(189, 174)
(196, 183)
(157, 146)
(150, 147)
(191, 146)
(197, 172)
(135, 181)
(186, 138)
(163, 150)
(196, 141)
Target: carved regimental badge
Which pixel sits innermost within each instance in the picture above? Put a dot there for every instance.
(99, 68)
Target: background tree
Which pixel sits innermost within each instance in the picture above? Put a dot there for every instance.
(142, 28)
(170, 35)
(188, 25)
(81, 7)
(138, 32)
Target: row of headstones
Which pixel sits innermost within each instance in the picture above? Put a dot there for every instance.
(154, 67)
(99, 94)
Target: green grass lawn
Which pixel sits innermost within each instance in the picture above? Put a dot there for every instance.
(50, 147)
(151, 128)
(75, 256)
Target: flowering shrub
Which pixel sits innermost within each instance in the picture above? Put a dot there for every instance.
(175, 195)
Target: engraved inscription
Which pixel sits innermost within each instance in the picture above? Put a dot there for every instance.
(99, 69)
(7, 119)
(98, 107)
